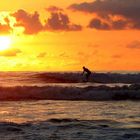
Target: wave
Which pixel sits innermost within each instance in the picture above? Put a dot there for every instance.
(102, 92)
(68, 129)
(95, 77)
(43, 79)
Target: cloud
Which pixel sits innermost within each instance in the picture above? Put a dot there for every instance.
(5, 23)
(30, 22)
(120, 14)
(63, 55)
(5, 29)
(41, 55)
(119, 24)
(53, 9)
(134, 45)
(10, 52)
(98, 24)
(86, 57)
(60, 22)
(117, 56)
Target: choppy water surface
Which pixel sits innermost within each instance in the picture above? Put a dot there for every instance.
(67, 120)
(122, 111)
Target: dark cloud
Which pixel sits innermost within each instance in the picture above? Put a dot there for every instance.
(30, 22)
(128, 10)
(134, 45)
(98, 24)
(119, 24)
(60, 22)
(10, 52)
(53, 9)
(108, 25)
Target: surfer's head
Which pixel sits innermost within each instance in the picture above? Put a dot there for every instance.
(83, 67)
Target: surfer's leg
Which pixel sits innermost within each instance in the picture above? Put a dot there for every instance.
(87, 77)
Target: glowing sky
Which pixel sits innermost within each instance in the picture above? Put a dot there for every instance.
(61, 35)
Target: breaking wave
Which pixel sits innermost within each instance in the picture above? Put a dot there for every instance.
(95, 77)
(131, 92)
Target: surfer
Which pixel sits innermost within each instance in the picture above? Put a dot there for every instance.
(86, 73)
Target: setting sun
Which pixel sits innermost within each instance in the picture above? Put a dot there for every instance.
(5, 42)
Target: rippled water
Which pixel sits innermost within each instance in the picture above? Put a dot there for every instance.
(70, 120)
(126, 112)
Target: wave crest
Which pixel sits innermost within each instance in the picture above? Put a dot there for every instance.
(95, 77)
(131, 92)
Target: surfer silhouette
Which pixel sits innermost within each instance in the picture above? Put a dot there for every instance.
(86, 73)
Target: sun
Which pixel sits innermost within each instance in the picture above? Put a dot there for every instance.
(5, 42)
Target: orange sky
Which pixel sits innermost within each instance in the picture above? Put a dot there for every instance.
(59, 36)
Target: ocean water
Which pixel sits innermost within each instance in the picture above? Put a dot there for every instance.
(66, 78)
(70, 120)
(113, 113)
